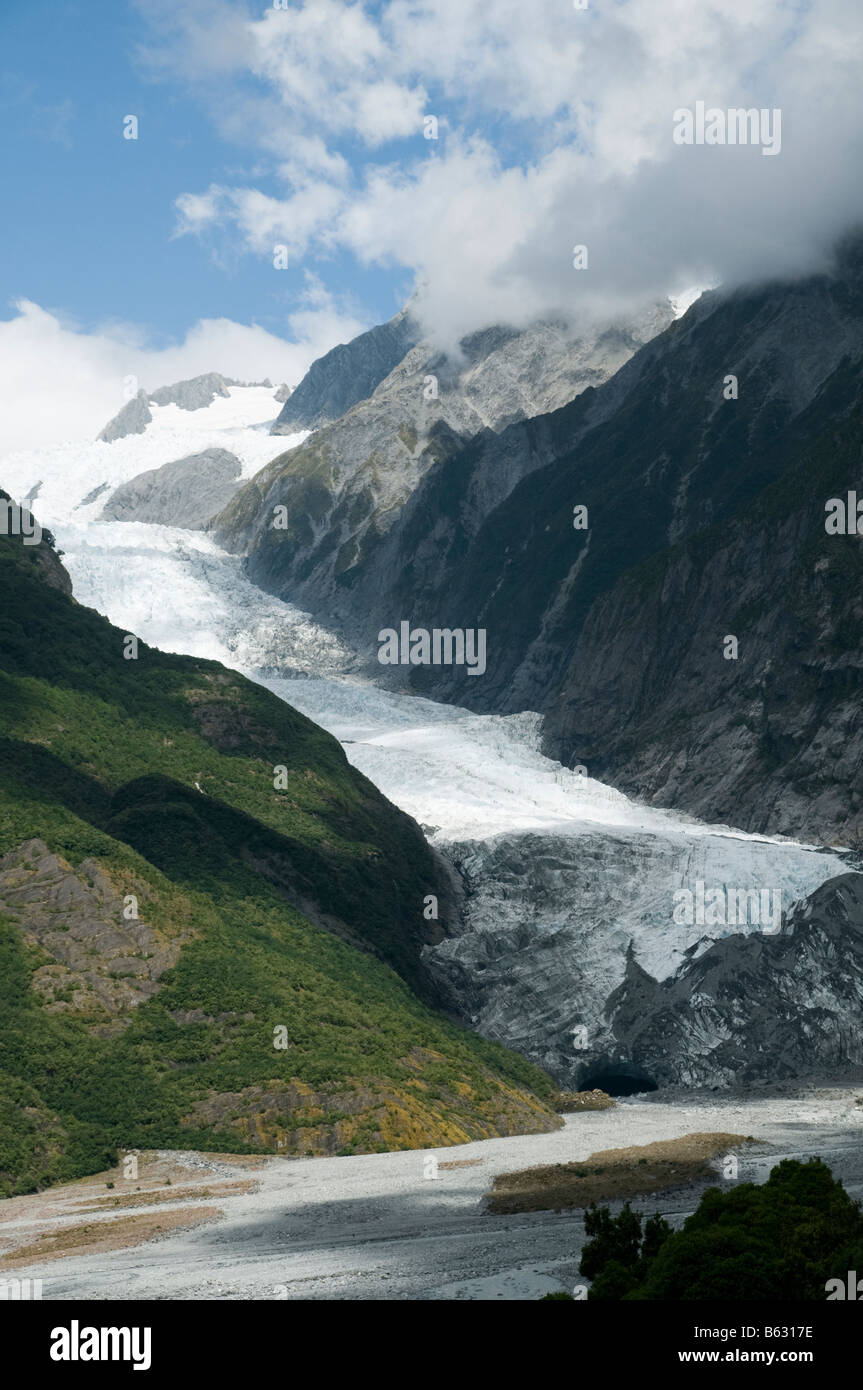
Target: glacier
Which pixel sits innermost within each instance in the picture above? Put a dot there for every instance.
(563, 881)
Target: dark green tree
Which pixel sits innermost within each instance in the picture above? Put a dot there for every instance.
(619, 1253)
(782, 1239)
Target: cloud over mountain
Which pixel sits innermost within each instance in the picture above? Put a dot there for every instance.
(60, 381)
(554, 129)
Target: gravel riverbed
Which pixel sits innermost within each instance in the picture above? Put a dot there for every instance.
(374, 1227)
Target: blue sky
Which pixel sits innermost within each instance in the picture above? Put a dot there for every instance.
(303, 125)
(88, 216)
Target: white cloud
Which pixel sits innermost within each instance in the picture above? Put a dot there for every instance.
(555, 130)
(386, 111)
(309, 154)
(261, 221)
(198, 210)
(60, 383)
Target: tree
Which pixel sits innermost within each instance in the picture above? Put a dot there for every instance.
(618, 1256)
(781, 1240)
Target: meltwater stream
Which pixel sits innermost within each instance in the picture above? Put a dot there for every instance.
(563, 876)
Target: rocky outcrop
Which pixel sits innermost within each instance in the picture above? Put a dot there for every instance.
(184, 493)
(98, 959)
(725, 676)
(132, 419)
(194, 394)
(350, 485)
(53, 571)
(346, 374)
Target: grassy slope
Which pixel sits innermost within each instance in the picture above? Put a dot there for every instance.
(98, 757)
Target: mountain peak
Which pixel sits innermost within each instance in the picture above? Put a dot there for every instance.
(193, 393)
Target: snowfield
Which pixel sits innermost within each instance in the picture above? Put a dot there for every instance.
(62, 479)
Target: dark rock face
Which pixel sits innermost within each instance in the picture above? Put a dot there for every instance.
(351, 488)
(754, 1007)
(770, 741)
(704, 530)
(346, 374)
(44, 556)
(184, 493)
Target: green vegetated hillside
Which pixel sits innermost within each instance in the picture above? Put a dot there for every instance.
(257, 910)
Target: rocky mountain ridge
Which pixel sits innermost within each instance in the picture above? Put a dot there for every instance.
(194, 393)
(350, 484)
(703, 466)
